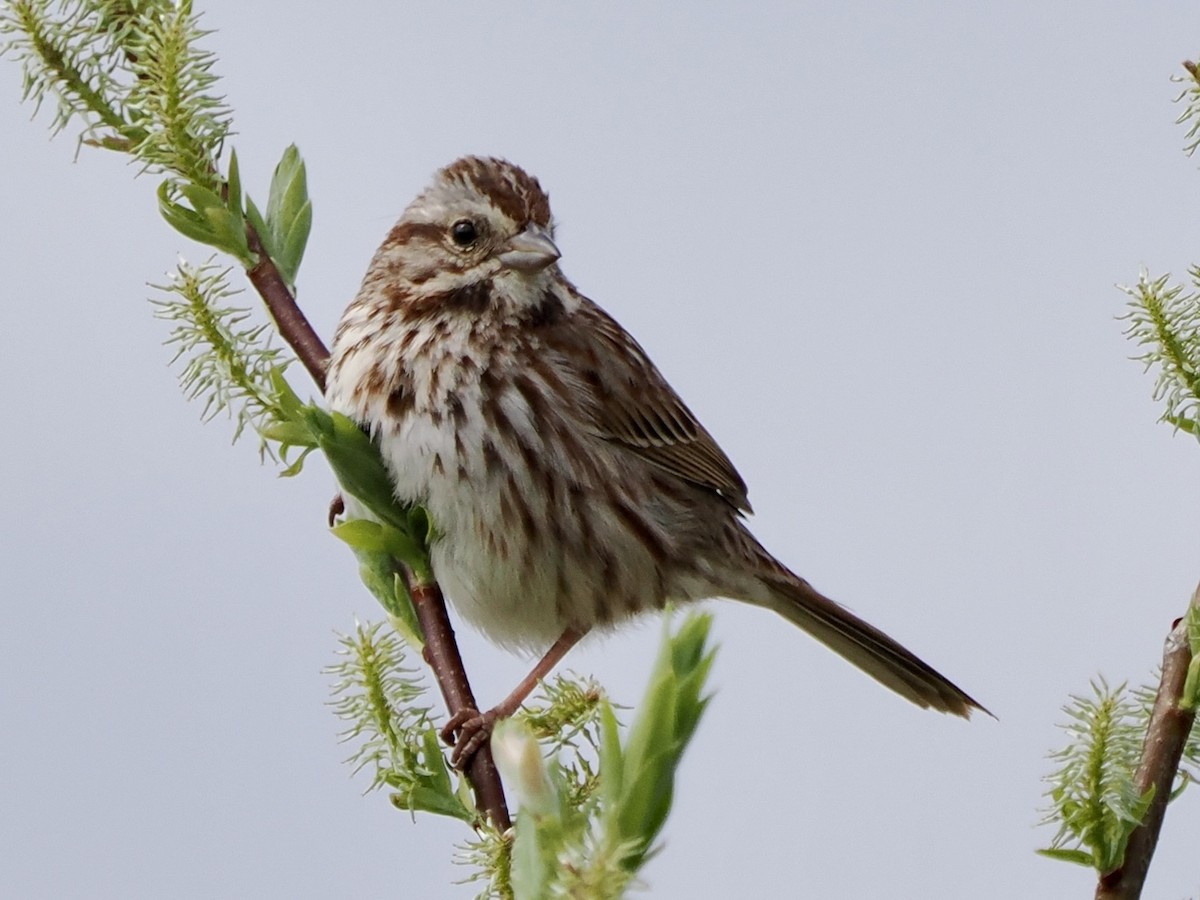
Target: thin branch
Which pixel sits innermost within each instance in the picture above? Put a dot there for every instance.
(1166, 738)
(293, 326)
(441, 653)
(441, 649)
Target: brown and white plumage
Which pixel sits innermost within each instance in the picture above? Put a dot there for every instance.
(570, 486)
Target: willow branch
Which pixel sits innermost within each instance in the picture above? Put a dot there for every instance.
(1166, 738)
(441, 653)
(441, 649)
(293, 325)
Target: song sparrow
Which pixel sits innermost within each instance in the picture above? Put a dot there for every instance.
(569, 485)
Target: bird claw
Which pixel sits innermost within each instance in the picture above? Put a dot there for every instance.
(337, 506)
(467, 731)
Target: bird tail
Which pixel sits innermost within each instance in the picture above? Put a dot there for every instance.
(863, 644)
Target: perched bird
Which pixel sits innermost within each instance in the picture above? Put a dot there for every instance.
(569, 485)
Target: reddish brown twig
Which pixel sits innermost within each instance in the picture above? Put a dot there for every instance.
(441, 653)
(1166, 737)
(441, 650)
(292, 324)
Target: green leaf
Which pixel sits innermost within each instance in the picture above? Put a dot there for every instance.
(186, 221)
(209, 220)
(420, 526)
(1188, 425)
(666, 721)
(398, 533)
(289, 209)
(355, 460)
(291, 434)
(378, 537)
(361, 534)
(296, 466)
(233, 191)
(403, 615)
(612, 785)
(378, 574)
(285, 228)
(1072, 856)
(289, 187)
(419, 798)
(293, 243)
(259, 224)
(433, 792)
(289, 404)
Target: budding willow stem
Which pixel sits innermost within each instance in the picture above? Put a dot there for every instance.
(441, 650)
(1166, 738)
(441, 653)
(292, 324)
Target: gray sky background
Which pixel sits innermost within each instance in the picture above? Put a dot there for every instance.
(873, 245)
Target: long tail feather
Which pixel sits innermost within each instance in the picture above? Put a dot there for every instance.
(866, 646)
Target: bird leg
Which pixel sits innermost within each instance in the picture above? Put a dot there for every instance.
(469, 728)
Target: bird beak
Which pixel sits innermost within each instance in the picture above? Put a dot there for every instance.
(529, 252)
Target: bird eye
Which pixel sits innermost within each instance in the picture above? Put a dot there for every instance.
(464, 232)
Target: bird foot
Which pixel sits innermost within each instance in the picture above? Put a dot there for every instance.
(467, 731)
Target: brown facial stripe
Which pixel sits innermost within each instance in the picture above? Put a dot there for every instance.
(412, 232)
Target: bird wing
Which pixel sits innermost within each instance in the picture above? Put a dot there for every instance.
(632, 405)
